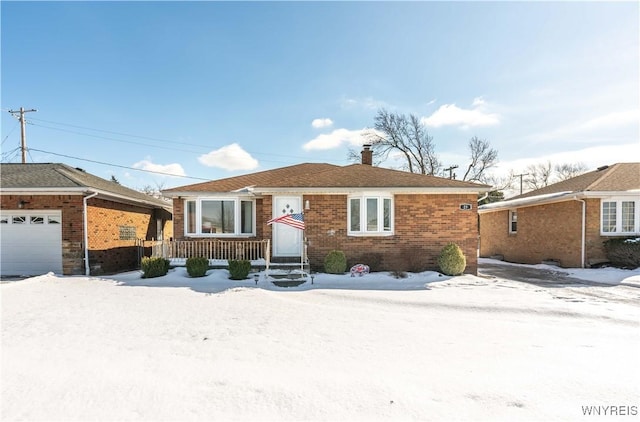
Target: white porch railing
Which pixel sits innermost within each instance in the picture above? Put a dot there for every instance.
(216, 251)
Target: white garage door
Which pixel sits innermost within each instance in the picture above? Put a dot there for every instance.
(30, 242)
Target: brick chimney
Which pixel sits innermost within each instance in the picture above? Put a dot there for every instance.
(367, 155)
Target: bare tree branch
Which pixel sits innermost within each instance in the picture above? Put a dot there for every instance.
(539, 175)
(483, 157)
(568, 170)
(409, 137)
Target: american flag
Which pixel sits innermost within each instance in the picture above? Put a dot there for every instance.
(293, 220)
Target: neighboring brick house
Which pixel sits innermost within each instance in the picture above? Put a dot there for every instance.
(566, 222)
(400, 220)
(46, 207)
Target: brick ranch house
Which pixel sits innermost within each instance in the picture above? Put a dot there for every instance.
(385, 218)
(566, 222)
(54, 216)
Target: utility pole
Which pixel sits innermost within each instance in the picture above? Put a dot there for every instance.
(521, 176)
(450, 170)
(23, 130)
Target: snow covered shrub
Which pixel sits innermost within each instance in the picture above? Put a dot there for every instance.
(451, 260)
(623, 252)
(239, 269)
(335, 262)
(197, 266)
(154, 266)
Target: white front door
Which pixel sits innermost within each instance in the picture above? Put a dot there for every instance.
(287, 241)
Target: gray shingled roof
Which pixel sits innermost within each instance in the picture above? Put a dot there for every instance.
(615, 178)
(61, 176)
(621, 177)
(309, 175)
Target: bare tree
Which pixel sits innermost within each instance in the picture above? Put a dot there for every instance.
(483, 157)
(544, 174)
(539, 175)
(151, 191)
(568, 170)
(407, 136)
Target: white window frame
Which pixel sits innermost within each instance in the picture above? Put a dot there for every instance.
(512, 220)
(32, 217)
(237, 232)
(362, 198)
(618, 226)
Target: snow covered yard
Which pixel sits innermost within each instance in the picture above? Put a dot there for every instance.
(371, 348)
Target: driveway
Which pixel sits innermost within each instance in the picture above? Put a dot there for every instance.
(532, 275)
(560, 286)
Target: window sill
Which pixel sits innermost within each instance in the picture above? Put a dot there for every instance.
(372, 234)
(616, 234)
(217, 235)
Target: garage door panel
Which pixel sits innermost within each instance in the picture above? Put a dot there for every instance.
(30, 248)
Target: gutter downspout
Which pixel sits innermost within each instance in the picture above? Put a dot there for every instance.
(584, 217)
(486, 195)
(86, 234)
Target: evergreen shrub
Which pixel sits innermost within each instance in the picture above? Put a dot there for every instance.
(197, 266)
(239, 269)
(335, 262)
(623, 252)
(154, 267)
(451, 260)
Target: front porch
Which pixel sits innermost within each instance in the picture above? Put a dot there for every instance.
(219, 251)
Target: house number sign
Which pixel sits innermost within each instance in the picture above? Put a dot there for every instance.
(466, 207)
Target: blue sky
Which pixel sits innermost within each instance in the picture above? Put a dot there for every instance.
(213, 89)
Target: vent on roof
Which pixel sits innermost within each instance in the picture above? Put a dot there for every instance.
(603, 168)
(79, 169)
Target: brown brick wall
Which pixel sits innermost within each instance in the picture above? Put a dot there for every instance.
(106, 251)
(424, 224)
(545, 232)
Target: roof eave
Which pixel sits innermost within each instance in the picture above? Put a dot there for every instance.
(102, 194)
(328, 191)
(44, 191)
(530, 201)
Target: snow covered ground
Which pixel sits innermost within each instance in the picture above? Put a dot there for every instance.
(427, 347)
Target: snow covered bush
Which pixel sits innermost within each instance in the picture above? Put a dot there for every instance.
(154, 267)
(623, 252)
(451, 260)
(239, 269)
(197, 266)
(335, 262)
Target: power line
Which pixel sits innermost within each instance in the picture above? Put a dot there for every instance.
(117, 165)
(147, 138)
(114, 139)
(9, 134)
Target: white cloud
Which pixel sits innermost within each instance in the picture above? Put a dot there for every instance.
(612, 120)
(336, 139)
(478, 101)
(591, 157)
(606, 126)
(452, 115)
(169, 169)
(230, 157)
(321, 123)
